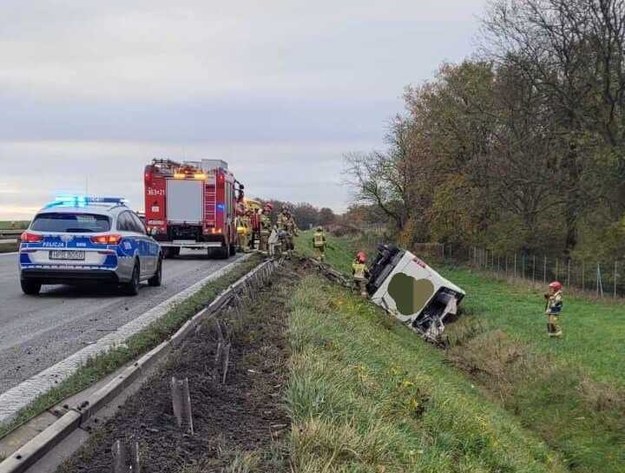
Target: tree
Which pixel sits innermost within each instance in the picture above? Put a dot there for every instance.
(572, 52)
(326, 216)
(305, 215)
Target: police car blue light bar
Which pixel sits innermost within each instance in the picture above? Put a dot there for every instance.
(82, 201)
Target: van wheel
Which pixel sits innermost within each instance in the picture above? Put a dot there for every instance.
(155, 281)
(131, 288)
(30, 288)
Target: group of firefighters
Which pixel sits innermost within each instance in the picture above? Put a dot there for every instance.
(254, 224)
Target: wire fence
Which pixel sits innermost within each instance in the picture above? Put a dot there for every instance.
(600, 277)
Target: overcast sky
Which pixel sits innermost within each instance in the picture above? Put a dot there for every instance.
(91, 91)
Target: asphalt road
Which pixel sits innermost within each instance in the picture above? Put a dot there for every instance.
(37, 332)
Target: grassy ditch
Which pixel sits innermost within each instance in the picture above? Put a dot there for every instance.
(98, 367)
(570, 391)
(366, 395)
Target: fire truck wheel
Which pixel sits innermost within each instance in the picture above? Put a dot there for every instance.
(155, 281)
(131, 288)
(233, 250)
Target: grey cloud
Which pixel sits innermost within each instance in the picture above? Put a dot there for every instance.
(281, 89)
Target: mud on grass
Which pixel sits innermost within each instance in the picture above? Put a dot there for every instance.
(241, 425)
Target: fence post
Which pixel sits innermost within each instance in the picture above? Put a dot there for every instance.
(615, 268)
(557, 268)
(568, 273)
(599, 281)
(545, 271)
(583, 275)
(515, 265)
(523, 266)
(506, 265)
(534, 269)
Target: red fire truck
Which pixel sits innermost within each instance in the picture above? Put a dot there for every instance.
(192, 205)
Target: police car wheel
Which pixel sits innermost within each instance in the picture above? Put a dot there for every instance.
(30, 288)
(131, 288)
(155, 280)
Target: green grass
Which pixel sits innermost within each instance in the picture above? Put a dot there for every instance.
(340, 252)
(367, 395)
(19, 224)
(570, 392)
(98, 367)
(594, 332)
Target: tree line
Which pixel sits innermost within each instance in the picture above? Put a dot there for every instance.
(304, 213)
(521, 147)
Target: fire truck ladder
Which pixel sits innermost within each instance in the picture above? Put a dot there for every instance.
(211, 205)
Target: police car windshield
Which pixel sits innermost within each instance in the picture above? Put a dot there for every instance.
(71, 223)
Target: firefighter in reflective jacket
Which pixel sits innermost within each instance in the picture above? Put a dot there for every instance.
(286, 223)
(242, 228)
(265, 227)
(553, 309)
(319, 244)
(360, 273)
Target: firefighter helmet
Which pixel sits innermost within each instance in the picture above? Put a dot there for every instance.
(319, 228)
(361, 256)
(269, 206)
(555, 285)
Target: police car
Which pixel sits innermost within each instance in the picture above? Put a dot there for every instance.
(80, 239)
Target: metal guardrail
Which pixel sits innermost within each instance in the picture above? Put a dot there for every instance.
(233, 298)
(6, 234)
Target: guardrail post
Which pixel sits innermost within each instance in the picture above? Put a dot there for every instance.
(181, 401)
(124, 461)
(226, 361)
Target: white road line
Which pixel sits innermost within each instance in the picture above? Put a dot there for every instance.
(9, 254)
(23, 394)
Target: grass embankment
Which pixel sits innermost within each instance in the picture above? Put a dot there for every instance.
(571, 391)
(140, 343)
(367, 395)
(9, 225)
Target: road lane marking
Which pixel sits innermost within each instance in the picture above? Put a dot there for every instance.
(26, 392)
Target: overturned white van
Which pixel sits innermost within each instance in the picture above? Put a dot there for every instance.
(412, 291)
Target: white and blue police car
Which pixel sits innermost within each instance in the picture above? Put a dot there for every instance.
(76, 239)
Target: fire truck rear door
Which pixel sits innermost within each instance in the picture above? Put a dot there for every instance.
(185, 201)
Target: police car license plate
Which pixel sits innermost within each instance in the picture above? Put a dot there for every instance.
(67, 255)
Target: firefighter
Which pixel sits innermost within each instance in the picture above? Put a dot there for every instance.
(291, 230)
(275, 242)
(256, 224)
(265, 227)
(243, 229)
(283, 218)
(319, 243)
(553, 309)
(360, 273)
(249, 223)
